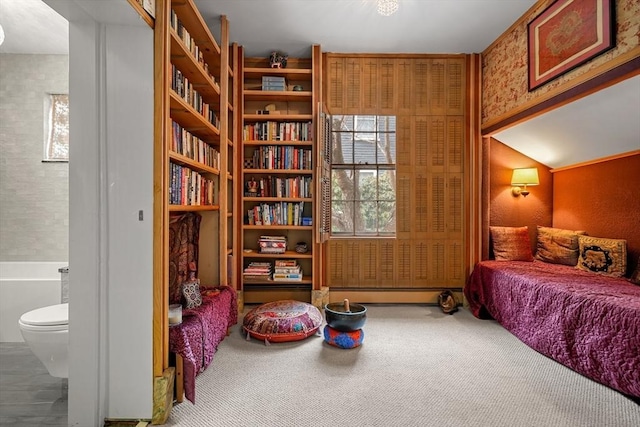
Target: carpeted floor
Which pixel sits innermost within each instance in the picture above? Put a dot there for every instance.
(416, 367)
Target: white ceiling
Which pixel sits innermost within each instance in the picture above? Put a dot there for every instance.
(600, 125)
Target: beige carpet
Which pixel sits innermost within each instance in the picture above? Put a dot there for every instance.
(417, 367)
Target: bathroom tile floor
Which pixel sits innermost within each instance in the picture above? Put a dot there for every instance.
(29, 396)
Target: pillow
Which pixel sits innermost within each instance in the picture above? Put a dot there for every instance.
(511, 243)
(281, 321)
(602, 256)
(191, 294)
(557, 246)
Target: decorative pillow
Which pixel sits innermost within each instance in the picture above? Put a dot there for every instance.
(635, 277)
(191, 294)
(557, 246)
(281, 321)
(603, 256)
(511, 243)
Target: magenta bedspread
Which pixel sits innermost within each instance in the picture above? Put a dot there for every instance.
(588, 322)
(196, 339)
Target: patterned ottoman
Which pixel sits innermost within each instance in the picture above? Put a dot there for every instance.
(350, 339)
(281, 321)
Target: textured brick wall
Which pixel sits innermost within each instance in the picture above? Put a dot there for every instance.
(34, 196)
(504, 63)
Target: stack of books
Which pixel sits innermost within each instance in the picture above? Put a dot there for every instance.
(272, 244)
(257, 271)
(287, 270)
(274, 83)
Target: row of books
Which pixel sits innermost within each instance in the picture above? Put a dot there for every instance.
(287, 270)
(257, 271)
(282, 157)
(185, 143)
(188, 187)
(189, 42)
(282, 213)
(277, 131)
(299, 186)
(275, 83)
(283, 271)
(185, 90)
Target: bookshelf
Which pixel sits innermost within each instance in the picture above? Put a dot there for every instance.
(195, 149)
(277, 165)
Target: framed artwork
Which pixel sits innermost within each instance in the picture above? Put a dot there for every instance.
(566, 34)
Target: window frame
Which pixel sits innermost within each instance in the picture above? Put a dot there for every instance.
(356, 167)
(56, 135)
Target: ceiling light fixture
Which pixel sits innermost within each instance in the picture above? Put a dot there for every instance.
(387, 7)
(1, 35)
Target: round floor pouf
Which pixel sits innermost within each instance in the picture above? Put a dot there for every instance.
(281, 321)
(350, 339)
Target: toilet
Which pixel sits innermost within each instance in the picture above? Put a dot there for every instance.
(46, 331)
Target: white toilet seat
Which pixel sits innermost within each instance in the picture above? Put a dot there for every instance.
(50, 319)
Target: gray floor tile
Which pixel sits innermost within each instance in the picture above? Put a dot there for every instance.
(29, 396)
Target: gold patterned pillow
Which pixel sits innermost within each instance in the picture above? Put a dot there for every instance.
(557, 246)
(602, 256)
(511, 243)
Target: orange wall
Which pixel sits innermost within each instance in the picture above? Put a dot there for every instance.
(603, 199)
(507, 210)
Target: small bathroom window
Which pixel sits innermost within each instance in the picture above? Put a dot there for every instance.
(56, 142)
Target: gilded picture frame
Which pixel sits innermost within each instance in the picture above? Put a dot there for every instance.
(567, 34)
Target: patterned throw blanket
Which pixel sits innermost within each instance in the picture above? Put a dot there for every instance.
(586, 321)
(202, 329)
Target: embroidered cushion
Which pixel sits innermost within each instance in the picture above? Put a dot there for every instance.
(349, 339)
(511, 243)
(557, 246)
(191, 294)
(281, 321)
(602, 256)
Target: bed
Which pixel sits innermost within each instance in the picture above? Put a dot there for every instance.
(586, 321)
(196, 339)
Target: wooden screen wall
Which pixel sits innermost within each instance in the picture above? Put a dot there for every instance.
(427, 93)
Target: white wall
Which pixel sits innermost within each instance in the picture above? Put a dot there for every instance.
(110, 180)
(34, 195)
(25, 286)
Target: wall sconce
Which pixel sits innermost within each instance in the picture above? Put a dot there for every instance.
(523, 177)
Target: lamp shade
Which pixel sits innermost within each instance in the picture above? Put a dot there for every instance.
(525, 176)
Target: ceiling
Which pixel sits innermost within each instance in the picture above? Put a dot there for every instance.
(599, 125)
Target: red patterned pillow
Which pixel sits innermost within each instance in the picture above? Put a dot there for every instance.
(511, 243)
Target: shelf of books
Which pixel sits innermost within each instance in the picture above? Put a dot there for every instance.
(277, 174)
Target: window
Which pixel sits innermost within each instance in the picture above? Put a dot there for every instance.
(56, 143)
(363, 175)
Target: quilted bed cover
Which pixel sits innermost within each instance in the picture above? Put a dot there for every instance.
(588, 322)
(196, 339)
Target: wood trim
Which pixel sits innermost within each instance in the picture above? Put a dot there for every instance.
(143, 13)
(422, 296)
(618, 69)
(473, 165)
(160, 196)
(223, 193)
(596, 161)
(395, 55)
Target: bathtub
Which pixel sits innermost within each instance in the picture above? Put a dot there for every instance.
(25, 286)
